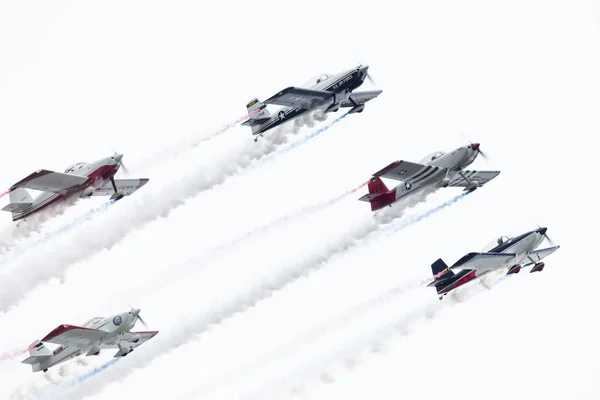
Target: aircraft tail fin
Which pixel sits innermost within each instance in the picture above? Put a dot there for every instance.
(441, 274)
(258, 113)
(439, 266)
(20, 200)
(38, 353)
(379, 195)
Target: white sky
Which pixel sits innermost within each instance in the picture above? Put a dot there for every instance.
(78, 80)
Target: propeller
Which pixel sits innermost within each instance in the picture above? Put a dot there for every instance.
(546, 236)
(119, 159)
(367, 75)
(475, 146)
(136, 312)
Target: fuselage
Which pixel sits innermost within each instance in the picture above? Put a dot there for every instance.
(454, 162)
(341, 84)
(114, 325)
(521, 246)
(99, 173)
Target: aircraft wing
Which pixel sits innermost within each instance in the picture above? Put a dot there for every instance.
(300, 98)
(125, 186)
(50, 181)
(481, 177)
(537, 255)
(360, 97)
(128, 339)
(484, 261)
(72, 335)
(410, 172)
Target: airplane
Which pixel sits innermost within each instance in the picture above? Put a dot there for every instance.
(96, 334)
(513, 252)
(329, 93)
(436, 170)
(82, 179)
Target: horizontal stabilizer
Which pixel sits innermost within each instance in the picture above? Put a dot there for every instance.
(255, 121)
(370, 196)
(484, 261)
(17, 207)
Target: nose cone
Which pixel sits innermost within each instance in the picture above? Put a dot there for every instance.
(542, 231)
(117, 157)
(363, 69)
(475, 146)
(135, 312)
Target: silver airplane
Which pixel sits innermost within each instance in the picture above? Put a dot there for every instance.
(436, 170)
(329, 93)
(512, 252)
(96, 334)
(82, 179)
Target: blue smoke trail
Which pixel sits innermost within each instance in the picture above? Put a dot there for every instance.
(53, 391)
(405, 222)
(302, 141)
(20, 248)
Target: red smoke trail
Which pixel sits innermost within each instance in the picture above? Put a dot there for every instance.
(314, 207)
(5, 193)
(14, 353)
(224, 129)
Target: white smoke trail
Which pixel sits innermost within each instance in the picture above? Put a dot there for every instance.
(20, 230)
(318, 368)
(51, 259)
(256, 292)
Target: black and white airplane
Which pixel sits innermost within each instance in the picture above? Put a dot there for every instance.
(514, 253)
(329, 93)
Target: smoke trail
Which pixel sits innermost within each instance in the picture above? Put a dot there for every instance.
(14, 353)
(57, 389)
(21, 248)
(359, 309)
(188, 144)
(296, 214)
(402, 326)
(36, 220)
(302, 141)
(259, 290)
(36, 267)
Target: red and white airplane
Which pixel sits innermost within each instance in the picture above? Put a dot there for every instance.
(81, 179)
(96, 334)
(437, 170)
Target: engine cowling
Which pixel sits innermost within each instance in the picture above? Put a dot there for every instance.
(87, 192)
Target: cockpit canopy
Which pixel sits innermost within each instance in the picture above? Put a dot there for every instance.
(74, 167)
(496, 243)
(315, 80)
(92, 321)
(431, 157)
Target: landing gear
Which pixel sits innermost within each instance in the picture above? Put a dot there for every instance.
(45, 370)
(116, 195)
(256, 138)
